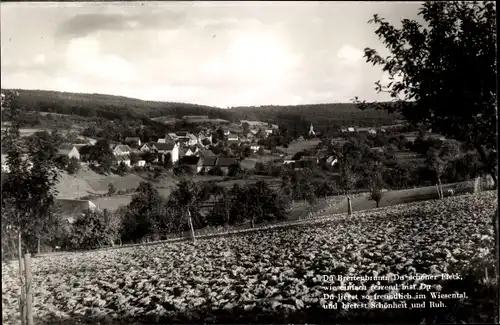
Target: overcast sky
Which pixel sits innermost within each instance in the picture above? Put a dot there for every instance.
(220, 53)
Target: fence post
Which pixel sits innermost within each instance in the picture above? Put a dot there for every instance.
(29, 289)
(22, 298)
(349, 206)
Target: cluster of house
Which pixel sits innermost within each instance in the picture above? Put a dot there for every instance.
(362, 130)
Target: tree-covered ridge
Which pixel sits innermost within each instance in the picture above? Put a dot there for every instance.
(106, 106)
(111, 107)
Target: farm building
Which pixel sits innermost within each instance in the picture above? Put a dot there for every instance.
(71, 209)
(147, 147)
(123, 159)
(69, 151)
(193, 162)
(225, 163)
(133, 141)
(209, 163)
(248, 164)
(122, 150)
(169, 147)
(206, 153)
(233, 138)
(313, 159)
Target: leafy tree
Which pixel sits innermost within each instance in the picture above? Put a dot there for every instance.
(111, 189)
(376, 183)
(261, 151)
(187, 198)
(216, 171)
(145, 209)
(28, 189)
(167, 161)
(73, 165)
(122, 168)
(101, 153)
(444, 76)
(183, 170)
(246, 128)
(95, 229)
(134, 158)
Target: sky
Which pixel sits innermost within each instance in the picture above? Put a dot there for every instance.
(211, 53)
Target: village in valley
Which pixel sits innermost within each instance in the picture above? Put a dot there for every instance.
(260, 163)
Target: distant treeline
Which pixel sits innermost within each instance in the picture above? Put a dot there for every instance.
(296, 118)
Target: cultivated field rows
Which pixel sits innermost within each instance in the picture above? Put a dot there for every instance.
(261, 274)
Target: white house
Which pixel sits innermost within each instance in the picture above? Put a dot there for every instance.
(68, 150)
(122, 150)
(192, 139)
(350, 130)
(233, 138)
(171, 137)
(5, 167)
(162, 140)
(133, 140)
(255, 147)
(147, 147)
(372, 131)
(140, 163)
(170, 147)
(123, 159)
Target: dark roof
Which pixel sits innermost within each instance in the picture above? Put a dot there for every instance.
(181, 134)
(165, 146)
(70, 208)
(226, 162)
(209, 161)
(65, 149)
(66, 146)
(189, 160)
(207, 153)
(127, 139)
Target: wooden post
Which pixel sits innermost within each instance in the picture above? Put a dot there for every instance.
(22, 301)
(349, 206)
(29, 289)
(38, 246)
(190, 221)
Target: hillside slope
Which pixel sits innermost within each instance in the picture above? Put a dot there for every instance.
(87, 182)
(111, 107)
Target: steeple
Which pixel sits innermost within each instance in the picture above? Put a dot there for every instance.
(311, 130)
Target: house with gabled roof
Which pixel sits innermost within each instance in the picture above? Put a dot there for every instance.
(208, 162)
(205, 153)
(122, 150)
(68, 150)
(123, 159)
(224, 163)
(193, 162)
(72, 209)
(170, 147)
(135, 141)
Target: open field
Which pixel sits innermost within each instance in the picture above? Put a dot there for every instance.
(391, 198)
(87, 182)
(297, 146)
(26, 132)
(274, 275)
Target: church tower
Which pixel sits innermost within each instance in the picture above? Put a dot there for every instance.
(311, 130)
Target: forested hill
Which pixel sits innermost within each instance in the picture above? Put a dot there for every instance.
(106, 106)
(323, 116)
